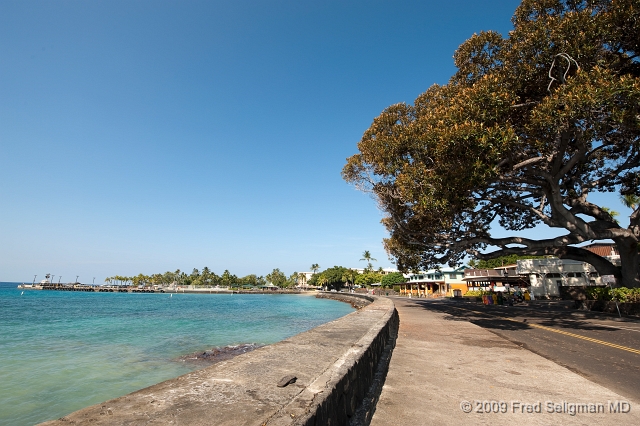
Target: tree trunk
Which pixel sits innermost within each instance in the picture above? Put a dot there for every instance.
(602, 265)
(629, 262)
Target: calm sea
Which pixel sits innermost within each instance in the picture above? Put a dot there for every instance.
(62, 351)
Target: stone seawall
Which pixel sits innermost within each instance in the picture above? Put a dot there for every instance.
(331, 374)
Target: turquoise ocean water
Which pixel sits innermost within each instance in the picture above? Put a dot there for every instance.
(62, 351)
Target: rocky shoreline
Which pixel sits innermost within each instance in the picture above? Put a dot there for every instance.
(218, 354)
(356, 300)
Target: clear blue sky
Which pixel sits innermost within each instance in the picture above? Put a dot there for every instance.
(145, 136)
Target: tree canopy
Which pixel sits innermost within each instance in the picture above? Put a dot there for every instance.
(277, 278)
(368, 278)
(206, 277)
(392, 279)
(527, 128)
(498, 261)
(334, 277)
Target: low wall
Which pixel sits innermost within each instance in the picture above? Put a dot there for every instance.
(339, 369)
(356, 300)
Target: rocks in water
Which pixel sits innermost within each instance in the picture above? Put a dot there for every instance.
(214, 355)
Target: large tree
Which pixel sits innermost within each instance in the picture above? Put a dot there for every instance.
(529, 126)
(277, 278)
(392, 279)
(331, 277)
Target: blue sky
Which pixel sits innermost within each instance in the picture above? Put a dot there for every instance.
(145, 136)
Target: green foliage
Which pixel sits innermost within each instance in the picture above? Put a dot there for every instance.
(499, 261)
(350, 276)
(366, 256)
(598, 293)
(277, 278)
(252, 279)
(630, 200)
(368, 278)
(621, 294)
(292, 281)
(228, 278)
(391, 279)
(205, 278)
(313, 281)
(334, 277)
(626, 295)
(476, 293)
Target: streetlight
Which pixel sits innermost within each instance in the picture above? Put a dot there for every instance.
(52, 276)
(59, 278)
(77, 278)
(94, 280)
(34, 279)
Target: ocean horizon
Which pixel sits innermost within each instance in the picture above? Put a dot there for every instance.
(62, 351)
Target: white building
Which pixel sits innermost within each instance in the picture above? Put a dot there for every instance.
(546, 276)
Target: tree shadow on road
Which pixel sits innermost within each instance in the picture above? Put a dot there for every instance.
(504, 317)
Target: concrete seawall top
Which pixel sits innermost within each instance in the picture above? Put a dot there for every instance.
(244, 390)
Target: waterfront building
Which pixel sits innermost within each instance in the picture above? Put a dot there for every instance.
(542, 277)
(547, 276)
(434, 283)
(501, 278)
(303, 279)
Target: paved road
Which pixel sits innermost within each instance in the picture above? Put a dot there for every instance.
(449, 366)
(603, 350)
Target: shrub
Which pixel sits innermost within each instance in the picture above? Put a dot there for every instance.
(598, 293)
(621, 294)
(626, 295)
(476, 293)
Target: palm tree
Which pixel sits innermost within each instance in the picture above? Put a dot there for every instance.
(323, 281)
(367, 257)
(206, 275)
(630, 200)
(350, 276)
(315, 267)
(302, 279)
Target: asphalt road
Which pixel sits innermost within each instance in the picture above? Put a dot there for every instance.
(602, 349)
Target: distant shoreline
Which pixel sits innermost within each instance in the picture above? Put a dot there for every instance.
(164, 290)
